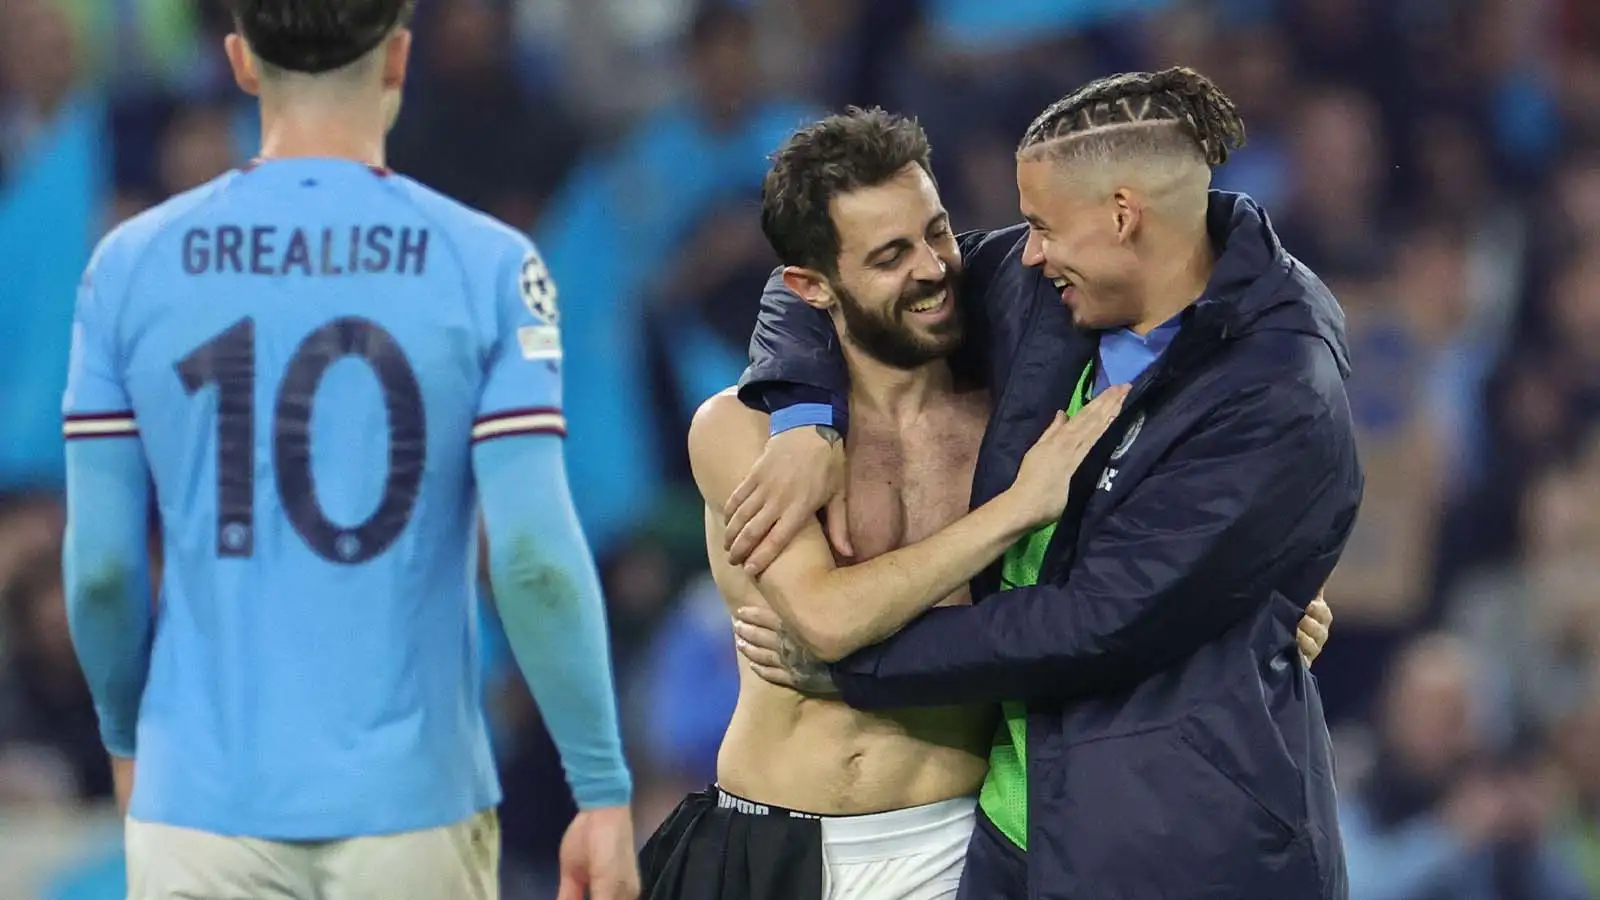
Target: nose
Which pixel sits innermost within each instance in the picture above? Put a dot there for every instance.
(1033, 250)
(930, 266)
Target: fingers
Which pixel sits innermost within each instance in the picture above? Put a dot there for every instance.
(775, 676)
(740, 494)
(1308, 647)
(1314, 627)
(752, 533)
(1320, 611)
(759, 657)
(771, 546)
(1099, 413)
(838, 522)
(758, 629)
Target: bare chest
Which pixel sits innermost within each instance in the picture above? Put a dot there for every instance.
(907, 481)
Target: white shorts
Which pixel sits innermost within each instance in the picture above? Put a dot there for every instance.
(455, 862)
(904, 854)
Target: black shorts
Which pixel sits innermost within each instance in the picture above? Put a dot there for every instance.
(716, 846)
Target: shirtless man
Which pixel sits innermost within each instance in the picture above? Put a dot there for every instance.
(814, 799)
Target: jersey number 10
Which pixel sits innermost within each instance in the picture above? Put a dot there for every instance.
(229, 361)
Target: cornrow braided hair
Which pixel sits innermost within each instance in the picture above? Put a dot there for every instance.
(1178, 97)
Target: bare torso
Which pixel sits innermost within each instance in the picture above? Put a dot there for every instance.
(907, 481)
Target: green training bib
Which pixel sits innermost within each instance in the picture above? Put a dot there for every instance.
(1004, 798)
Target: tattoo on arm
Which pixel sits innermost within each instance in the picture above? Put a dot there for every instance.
(810, 674)
(829, 434)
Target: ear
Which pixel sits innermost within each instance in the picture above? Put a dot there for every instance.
(245, 73)
(397, 56)
(1128, 211)
(811, 285)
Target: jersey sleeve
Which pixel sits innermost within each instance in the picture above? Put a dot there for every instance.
(522, 390)
(95, 404)
(105, 566)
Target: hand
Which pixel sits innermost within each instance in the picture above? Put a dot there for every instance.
(799, 472)
(1313, 631)
(122, 782)
(773, 653)
(1045, 476)
(598, 858)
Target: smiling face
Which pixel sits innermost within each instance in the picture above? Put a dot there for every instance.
(852, 211)
(1081, 237)
(897, 271)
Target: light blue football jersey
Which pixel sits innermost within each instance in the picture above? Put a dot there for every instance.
(306, 350)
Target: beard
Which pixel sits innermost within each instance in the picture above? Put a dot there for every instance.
(889, 339)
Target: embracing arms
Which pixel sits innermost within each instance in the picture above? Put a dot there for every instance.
(835, 609)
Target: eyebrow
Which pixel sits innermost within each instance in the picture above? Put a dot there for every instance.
(1034, 221)
(900, 243)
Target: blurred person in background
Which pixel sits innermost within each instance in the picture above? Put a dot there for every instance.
(619, 226)
(1577, 735)
(53, 167)
(394, 791)
(508, 149)
(1445, 813)
(50, 749)
(1334, 220)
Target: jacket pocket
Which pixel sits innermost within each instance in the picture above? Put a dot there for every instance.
(1150, 817)
(1195, 740)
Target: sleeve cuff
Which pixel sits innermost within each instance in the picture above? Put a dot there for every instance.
(801, 414)
(796, 405)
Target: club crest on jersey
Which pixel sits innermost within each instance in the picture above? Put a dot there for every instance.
(1128, 438)
(539, 289)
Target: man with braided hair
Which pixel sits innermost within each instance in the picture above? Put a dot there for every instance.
(1162, 738)
(328, 371)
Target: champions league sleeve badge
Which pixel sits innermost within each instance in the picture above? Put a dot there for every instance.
(539, 289)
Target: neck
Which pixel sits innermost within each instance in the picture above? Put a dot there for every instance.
(326, 131)
(1176, 282)
(885, 390)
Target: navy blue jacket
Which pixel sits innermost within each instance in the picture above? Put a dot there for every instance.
(1176, 744)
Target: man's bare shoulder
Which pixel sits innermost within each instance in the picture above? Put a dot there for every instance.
(725, 439)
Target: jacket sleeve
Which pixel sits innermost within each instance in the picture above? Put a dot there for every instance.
(795, 358)
(1269, 482)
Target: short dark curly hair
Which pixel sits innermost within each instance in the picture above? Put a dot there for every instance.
(316, 36)
(855, 149)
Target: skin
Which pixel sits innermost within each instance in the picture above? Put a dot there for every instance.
(916, 544)
(1126, 244)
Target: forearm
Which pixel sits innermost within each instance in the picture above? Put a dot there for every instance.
(549, 600)
(854, 606)
(106, 572)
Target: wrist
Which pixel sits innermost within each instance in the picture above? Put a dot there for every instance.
(1015, 515)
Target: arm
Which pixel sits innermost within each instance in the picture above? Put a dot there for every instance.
(1269, 480)
(548, 595)
(834, 610)
(105, 556)
(544, 579)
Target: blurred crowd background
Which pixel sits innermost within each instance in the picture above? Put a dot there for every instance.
(1437, 161)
